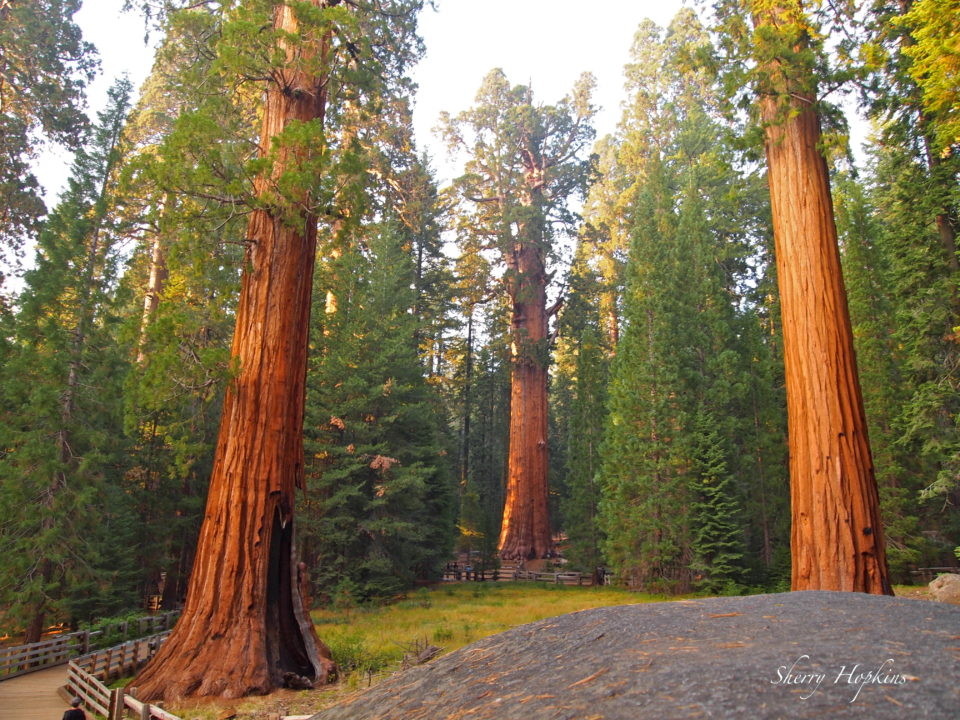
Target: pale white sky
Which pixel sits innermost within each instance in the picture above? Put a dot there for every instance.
(546, 42)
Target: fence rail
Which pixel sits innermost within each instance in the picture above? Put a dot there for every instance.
(87, 677)
(21, 659)
(89, 671)
(456, 572)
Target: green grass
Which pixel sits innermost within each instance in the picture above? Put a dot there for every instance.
(367, 640)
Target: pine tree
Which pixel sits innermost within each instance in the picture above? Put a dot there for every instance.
(62, 429)
(717, 541)
(378, 508)
(45, 65)
(646, 539)
(689, 347)
(583, 359)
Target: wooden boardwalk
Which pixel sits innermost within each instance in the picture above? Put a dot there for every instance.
(34, 696)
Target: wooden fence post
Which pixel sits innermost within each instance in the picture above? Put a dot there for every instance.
(116, 704)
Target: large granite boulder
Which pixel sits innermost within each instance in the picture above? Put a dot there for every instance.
(790, 655)
(946, 588)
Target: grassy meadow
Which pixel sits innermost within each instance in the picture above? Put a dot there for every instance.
(368, 640)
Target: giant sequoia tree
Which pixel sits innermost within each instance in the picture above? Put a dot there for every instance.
(244, 623)
(524, 164)
(837, 539)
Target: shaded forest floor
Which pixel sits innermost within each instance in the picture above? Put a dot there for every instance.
(372, 642)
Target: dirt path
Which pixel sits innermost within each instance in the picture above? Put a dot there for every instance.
(34, 696)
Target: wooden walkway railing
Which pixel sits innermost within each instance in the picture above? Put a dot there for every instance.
(87, 677)
(20, 659)
(89, 674)
(456, 572)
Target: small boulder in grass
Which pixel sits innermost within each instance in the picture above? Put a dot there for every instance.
(946, 588)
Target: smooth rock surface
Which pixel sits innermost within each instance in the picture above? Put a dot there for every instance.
(791, 655)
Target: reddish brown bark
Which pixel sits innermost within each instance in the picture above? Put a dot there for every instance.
(525, 529)
(244, 624)
(837, 539)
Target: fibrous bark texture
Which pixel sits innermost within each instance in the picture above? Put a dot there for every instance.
(244, 624)
(836, 540)
(525, 530)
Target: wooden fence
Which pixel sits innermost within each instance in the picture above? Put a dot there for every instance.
(20, 659)
(455, 572)
(87, 677)
(88, 672)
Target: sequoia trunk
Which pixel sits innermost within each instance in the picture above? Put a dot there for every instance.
(244, 624)
(837, 540)
(525, 531)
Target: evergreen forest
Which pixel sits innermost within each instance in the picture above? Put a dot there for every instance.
(576, 350)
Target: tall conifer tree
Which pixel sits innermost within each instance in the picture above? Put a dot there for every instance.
(61, 385)
(688, 311)
(246, 547)
(44, 66)
(378, 507)
(524, 163)
(583, 358)
(837, 537)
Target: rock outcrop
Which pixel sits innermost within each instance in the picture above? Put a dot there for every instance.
(791, 655)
